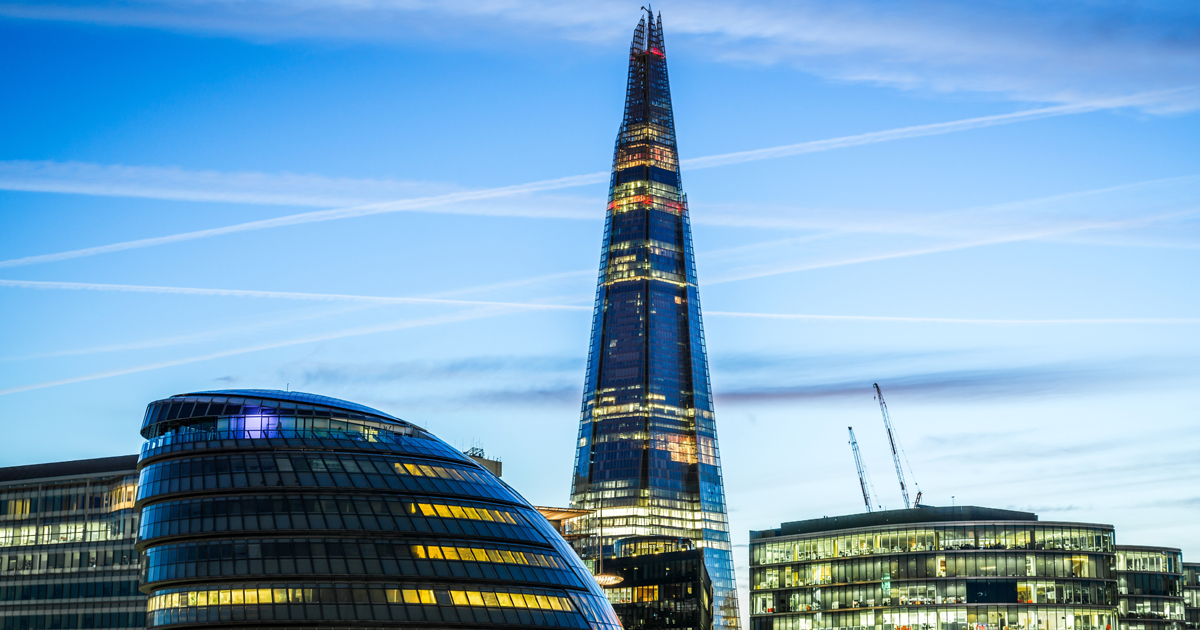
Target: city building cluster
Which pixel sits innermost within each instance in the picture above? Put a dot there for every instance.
(284, 510)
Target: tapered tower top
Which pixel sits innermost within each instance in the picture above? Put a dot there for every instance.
(647, 460)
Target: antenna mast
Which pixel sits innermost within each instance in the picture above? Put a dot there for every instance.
(862, 471)
(887, 422)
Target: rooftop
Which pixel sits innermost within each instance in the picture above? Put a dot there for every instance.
(1150, 548)
(895, 517)
(100, 465)
(560, 513)
(296, 397)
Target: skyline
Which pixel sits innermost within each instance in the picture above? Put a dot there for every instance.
(992, 214)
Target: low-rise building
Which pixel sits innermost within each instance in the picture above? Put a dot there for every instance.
(67, 533)
(660, 583)
(1191, 595)
(1150, 587)
(948, 568)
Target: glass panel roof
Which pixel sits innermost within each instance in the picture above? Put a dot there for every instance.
(298, 397)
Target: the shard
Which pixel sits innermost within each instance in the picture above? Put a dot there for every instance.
(647, 461)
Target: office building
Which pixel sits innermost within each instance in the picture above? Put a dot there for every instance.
(1191, 595)
(663, 583)
(647, 462)
(290, 510)
(1150, 587)
(956, 568)
(67, 533)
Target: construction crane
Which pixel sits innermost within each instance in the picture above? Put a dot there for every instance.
(887, 422)
(862, 470)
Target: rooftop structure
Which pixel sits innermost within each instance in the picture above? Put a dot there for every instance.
(896, 517)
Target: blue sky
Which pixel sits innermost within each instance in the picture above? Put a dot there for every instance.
(991, 209)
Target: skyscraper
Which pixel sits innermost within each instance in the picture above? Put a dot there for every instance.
(647, 459)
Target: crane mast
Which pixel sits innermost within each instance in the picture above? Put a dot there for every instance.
(862, 471)
(887, 422)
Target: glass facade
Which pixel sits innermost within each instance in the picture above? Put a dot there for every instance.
(944, 570)
(664, 584)
(1191, 595)
(292, 510)
(67, 533)
(1150, 587)
(647, 461)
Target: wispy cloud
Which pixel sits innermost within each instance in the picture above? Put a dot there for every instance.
(340, 334)
(341, 374)
(1009, 382)
(49, 172)
(515, 397)
(541, 381)
(1060, 52)
(208, 335)
(550, 306)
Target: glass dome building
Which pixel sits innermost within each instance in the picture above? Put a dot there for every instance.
(275, 509)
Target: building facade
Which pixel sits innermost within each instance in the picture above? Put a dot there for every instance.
(1191, 595)
(647, 461)
(67, 533)
(1150, 587)
(962, 568)
(664, 584)
(291, 510)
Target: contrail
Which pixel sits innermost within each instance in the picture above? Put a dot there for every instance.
(959, 320)
(901, 133)
(711, 161)
(209, 335)
(285, 295)
(999, 240)
(520, 306)
(317, 216)
(341, 334)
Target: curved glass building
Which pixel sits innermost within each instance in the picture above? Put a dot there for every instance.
(954, 568)
(1150, 587)
(279, 509)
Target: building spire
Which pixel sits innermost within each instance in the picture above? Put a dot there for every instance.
(647, 442)
(638, 45)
